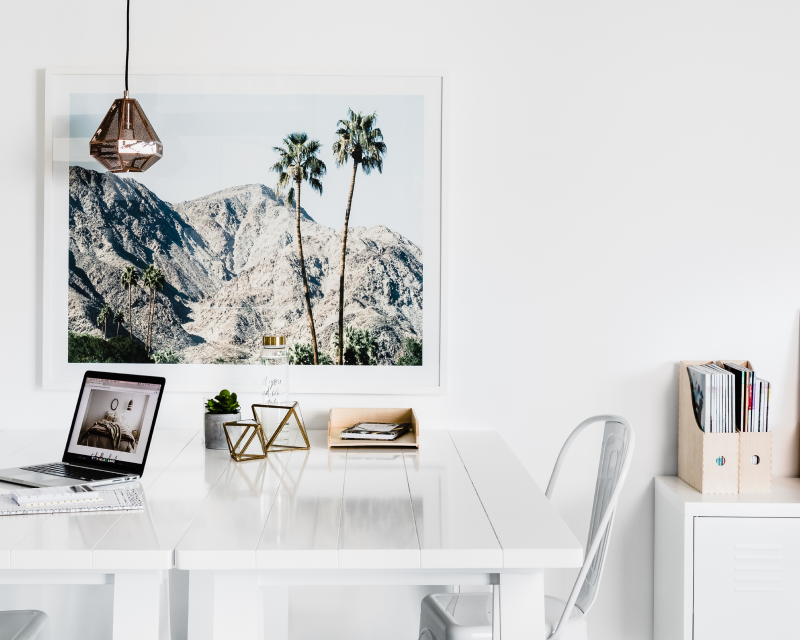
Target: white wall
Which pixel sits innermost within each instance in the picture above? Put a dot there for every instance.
(623, 191)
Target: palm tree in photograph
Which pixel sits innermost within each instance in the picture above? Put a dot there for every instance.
(152, 279)
(119, 318)
(358, 139)
(130, 279)
(147, 275)
(102, 319)
(157, 283)
(298, 162)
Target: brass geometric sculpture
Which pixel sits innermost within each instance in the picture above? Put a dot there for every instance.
(125, 140)
(276, 427)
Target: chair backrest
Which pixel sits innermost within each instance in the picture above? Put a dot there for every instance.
(615, 458)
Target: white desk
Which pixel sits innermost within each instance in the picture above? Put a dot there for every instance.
(133, 550)
(461, 510)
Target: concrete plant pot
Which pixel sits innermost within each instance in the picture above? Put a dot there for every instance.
(215, 435)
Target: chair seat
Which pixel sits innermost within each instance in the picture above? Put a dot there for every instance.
(22, 625)
(468, 616)
(576, 625)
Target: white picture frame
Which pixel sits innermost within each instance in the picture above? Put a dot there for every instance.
(58, 373)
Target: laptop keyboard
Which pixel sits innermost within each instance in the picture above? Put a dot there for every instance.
(73, 473)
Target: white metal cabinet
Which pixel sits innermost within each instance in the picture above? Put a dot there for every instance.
(726, 566)
(746, 578)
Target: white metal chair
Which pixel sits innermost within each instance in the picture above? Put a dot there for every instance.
(449, 616)
(23, 625)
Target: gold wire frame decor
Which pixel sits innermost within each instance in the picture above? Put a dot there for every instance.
(285, 417)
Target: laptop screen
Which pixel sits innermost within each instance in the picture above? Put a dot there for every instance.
(114, 421)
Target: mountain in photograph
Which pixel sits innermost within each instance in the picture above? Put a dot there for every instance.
(231, 271)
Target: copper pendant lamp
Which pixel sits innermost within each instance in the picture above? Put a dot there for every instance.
(125, 140)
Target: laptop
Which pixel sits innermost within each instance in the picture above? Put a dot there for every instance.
(110, 435)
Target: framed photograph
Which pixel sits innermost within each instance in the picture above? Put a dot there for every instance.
(180, 270)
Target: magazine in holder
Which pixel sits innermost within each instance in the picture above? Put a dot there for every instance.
(755, 454)
(275, 427)
(708, 462)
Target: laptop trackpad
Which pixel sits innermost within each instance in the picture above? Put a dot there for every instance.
(37, 478)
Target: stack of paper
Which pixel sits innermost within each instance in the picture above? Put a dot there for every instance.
(46, 496)
(47, 501)
(375, 431)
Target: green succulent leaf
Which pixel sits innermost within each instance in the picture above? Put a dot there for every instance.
(225, 402)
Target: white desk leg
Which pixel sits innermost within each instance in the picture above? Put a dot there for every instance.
(496, 612)
(522, 606)
(235, 606)
(141, 610)
(201, 605)
(275, 614)
(223, 605)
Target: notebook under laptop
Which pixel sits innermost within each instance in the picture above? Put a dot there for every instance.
(110, 434)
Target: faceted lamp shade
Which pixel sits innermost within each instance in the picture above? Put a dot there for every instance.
(126, 141)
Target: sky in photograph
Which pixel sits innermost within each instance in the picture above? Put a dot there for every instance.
(212, 142)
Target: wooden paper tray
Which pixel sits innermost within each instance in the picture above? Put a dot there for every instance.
(341, 419)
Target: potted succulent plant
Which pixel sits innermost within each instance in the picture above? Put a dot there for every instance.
(223, 408)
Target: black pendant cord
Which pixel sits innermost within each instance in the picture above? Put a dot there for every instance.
(127, 41)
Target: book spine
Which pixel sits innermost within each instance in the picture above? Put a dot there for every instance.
(732, 403)
(704, 414)
(757, 408)
(715, 399)
(729, 405)
(743, 403)
(766, 413)
(743, 420)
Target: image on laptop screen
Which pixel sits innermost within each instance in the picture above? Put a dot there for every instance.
(114, 420)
